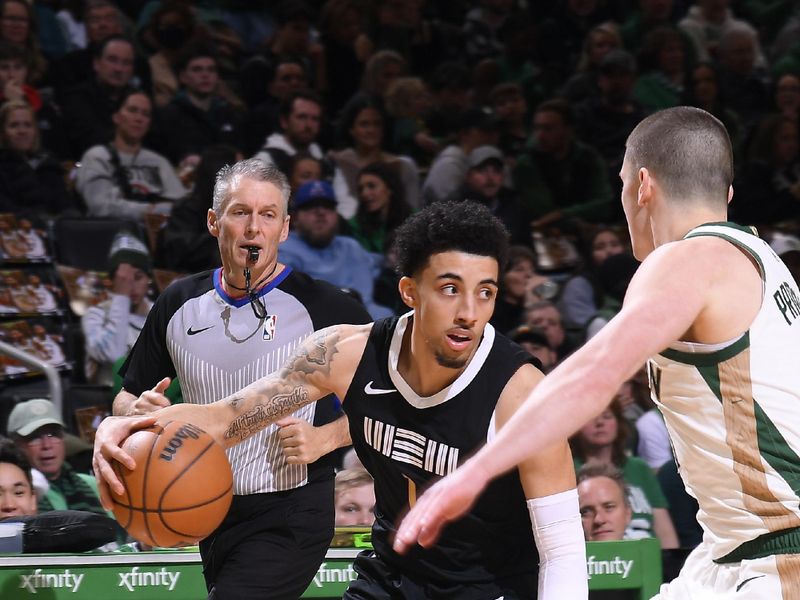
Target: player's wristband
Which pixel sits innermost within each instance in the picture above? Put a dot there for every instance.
(559, 539)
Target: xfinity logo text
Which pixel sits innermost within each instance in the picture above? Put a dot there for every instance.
(38, 580)
(136, 578)
(326, 574)
(618, 566)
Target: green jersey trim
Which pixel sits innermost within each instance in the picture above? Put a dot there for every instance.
(708, 359)
(699, 232)
(786, 541)
(775, 450)
(743, 228)
(772, 446)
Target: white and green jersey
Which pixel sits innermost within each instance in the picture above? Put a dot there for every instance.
(733, 415)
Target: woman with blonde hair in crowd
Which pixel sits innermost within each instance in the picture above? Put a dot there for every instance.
(31, 179)
(354, 498)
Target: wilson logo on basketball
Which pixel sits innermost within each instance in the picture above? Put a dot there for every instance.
(186, 431)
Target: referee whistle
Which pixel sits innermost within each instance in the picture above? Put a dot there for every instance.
(252, 254)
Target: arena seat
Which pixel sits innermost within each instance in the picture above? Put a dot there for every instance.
(84, 242)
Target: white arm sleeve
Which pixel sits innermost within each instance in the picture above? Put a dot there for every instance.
(559, 539)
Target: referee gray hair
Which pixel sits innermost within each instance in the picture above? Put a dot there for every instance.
(228, 179)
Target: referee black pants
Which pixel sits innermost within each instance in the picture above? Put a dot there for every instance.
(270, 545)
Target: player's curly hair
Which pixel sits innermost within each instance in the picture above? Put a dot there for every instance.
(449, 226)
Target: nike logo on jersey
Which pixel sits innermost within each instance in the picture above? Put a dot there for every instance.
(368, 389)
(191, 331)
(748, 580)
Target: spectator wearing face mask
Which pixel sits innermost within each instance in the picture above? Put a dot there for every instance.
(102, 20)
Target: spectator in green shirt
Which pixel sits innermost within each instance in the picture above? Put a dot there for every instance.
(560, 177)
(38, 431)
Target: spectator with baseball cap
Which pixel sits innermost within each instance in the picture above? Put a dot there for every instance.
(316, 248)
(484, 182)
(477, 127)
(39, 432)
(111, 327)
(25, 531)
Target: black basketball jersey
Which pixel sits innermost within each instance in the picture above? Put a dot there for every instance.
(408, 442)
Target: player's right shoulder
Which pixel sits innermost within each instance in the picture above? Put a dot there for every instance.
(330, 356)
(348, 338)
(352, 340)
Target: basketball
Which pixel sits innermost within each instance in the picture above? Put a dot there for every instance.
(181, 487)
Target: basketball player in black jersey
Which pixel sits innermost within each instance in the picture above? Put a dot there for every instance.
(423, 392)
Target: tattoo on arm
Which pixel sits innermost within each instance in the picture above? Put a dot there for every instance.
(257, 418)
(285, 391)
(316, 352)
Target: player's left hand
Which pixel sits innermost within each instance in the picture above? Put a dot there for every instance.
(107, 447)
(300, 440)
(445, 501)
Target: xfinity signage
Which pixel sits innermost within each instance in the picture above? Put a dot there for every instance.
(136, 578)
(60, 580)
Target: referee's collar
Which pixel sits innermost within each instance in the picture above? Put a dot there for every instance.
(243, 300)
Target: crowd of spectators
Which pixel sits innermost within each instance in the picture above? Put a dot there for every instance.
(374, 108)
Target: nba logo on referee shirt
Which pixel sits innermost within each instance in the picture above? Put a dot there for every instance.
(268, 333)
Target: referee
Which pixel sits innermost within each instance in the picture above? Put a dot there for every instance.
(219, 331)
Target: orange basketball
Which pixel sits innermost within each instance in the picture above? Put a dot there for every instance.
(181, 488)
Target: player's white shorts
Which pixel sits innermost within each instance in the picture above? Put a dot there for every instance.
(775, 577)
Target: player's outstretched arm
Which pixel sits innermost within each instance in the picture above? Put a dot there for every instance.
(666, 295)
(548, 480)
(324, 363)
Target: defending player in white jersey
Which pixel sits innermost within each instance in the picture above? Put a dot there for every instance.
(717, 316)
